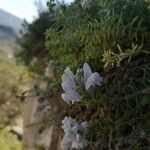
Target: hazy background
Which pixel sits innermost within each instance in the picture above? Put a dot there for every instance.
(24, 9)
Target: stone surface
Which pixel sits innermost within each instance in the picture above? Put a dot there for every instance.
(42, 121)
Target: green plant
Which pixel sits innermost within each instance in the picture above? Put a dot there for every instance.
(113, 38)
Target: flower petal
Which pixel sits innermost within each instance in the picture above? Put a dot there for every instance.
(74, 96)
(94, 79)
(66, 86)
(87, 72)
(69, 73)
(71, 96)
(65, 97)
(68, 80)
(79, 142)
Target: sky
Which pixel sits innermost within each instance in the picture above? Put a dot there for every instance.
(24, 9)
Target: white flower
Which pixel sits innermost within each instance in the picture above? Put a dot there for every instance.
(79, 142)
(94, 79)
(69, 72)
(87, 72)
(67, 140)
(66, 86)
(72, 138)
(69, 77)
(69, 124)
(91, 79)
(70, 82)
(71, 96)
(69, 86)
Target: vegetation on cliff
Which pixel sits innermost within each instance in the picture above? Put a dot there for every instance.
(113, 38)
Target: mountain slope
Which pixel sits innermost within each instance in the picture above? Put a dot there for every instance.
(10, 26)
(7, 19)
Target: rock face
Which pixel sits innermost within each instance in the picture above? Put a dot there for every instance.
(42, 121)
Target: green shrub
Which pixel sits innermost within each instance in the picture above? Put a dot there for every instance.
(113, 38)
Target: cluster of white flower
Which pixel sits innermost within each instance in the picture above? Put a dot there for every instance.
(74, 132)
(73, 138)
(70, 82)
